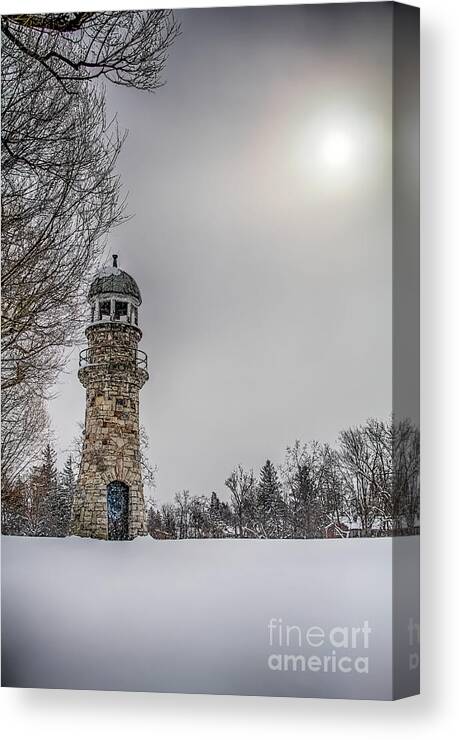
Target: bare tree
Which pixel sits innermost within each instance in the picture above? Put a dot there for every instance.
(366, 466)
(60, 197)
(125, 47)
(183, 514)
(242, 487)
(334, 501)
(149, 470)
(24, 423)
(60, 192)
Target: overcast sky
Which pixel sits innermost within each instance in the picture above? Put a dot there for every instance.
(259, 179)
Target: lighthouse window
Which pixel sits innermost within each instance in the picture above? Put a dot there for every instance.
(104, 311)
(135, 316)
(121, 312)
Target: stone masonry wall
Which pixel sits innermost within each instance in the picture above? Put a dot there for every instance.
(111, 443)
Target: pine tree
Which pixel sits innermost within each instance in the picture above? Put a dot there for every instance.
(169, 522)
(216, 514)
(49, 493)
(42, 495)
(304, 474)
(154, 522)
(64, 500)
(14, 512)
(199, 517)
(269, 502)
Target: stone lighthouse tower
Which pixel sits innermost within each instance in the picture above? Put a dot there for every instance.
(109, 503)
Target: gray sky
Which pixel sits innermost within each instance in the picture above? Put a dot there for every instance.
(259, 179)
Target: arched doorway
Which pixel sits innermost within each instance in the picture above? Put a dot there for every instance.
(118, 510)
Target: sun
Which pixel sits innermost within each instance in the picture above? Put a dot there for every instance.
(336, 149)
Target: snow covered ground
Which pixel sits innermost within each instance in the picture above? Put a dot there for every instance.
(204, 616)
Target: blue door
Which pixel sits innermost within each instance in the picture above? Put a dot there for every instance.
(118, 510)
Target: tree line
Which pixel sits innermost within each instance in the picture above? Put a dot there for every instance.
(367, 486)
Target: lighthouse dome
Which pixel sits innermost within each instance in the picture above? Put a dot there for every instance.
(111, 280)
(114, 296)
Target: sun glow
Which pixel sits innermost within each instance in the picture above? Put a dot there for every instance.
(336, 152)
(336, 149)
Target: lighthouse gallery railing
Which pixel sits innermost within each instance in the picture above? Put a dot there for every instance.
(107, 354)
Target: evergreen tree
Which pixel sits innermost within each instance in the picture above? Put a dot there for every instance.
(199, 518)
(169, 521)
(218, 516)
(154, 522)
(64, 500)
(269, 509)
(14, 513)
(42, 495)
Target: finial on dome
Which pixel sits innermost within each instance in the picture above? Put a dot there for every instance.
(115, 260)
